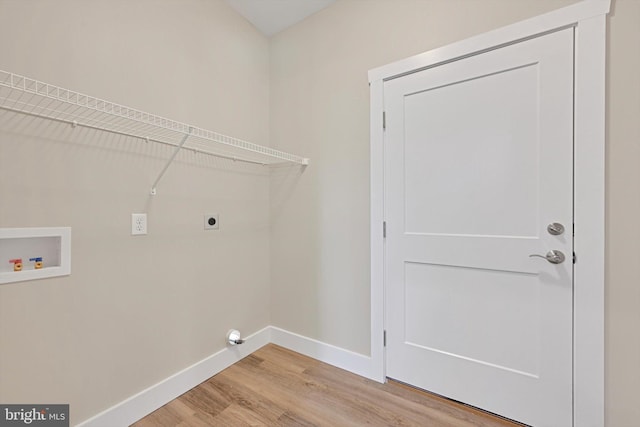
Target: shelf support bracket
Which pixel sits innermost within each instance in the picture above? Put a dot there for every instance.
(173, 156)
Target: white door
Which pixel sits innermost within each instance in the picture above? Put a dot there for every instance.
(478, 164)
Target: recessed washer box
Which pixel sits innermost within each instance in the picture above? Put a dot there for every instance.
(52, 245)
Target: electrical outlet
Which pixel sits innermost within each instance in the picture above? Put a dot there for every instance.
(138, 224)
(211, 222)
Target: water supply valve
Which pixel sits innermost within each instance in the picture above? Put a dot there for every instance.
(38, 262)
(17, 264)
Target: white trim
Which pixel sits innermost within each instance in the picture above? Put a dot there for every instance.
(588, 19)
(589, 211)
(141, 404)
(377, 241)
(348, 360)
(551, 21)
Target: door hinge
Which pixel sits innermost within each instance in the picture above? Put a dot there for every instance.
(384, 229)
(575, 258)
(384, 120)
(384, 338)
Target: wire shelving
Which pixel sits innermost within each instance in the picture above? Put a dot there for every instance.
(35, 98)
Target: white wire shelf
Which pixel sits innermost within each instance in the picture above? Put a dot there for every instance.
(35, 98)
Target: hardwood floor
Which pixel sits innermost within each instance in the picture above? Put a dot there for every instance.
(277, 387)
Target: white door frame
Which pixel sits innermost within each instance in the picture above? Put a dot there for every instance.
(588, 18)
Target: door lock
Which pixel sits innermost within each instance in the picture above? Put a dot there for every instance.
(554, 256)
(555, 229)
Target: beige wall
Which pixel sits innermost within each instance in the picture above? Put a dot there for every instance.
(623, 216)
(320, 107)
(135, 309)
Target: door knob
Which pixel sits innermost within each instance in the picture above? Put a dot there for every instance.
(554, 256)
(555, 229)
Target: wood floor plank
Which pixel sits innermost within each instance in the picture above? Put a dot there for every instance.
(278, 387)
(246, 396)
(290, 392)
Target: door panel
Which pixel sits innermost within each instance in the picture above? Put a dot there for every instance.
(478, 161)
(471, 169)
(501, 331)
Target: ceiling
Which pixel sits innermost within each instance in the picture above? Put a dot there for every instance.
(273, 16)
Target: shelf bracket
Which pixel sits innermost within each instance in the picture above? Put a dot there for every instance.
(173, 156)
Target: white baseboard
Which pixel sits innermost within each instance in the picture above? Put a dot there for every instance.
(138, 406)
(327, 353)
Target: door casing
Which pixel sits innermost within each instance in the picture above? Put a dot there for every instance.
(588, 18)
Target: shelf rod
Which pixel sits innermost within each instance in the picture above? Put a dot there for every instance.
(117, 132)
(58, 100)
(173, 156)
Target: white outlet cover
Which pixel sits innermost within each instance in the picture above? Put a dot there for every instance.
(211, 222)
(138, 224)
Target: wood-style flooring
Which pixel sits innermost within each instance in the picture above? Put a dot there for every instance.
(278, 387)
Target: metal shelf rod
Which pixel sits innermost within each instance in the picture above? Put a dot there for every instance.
(173, 156)
(32, 97)
(74, 123)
